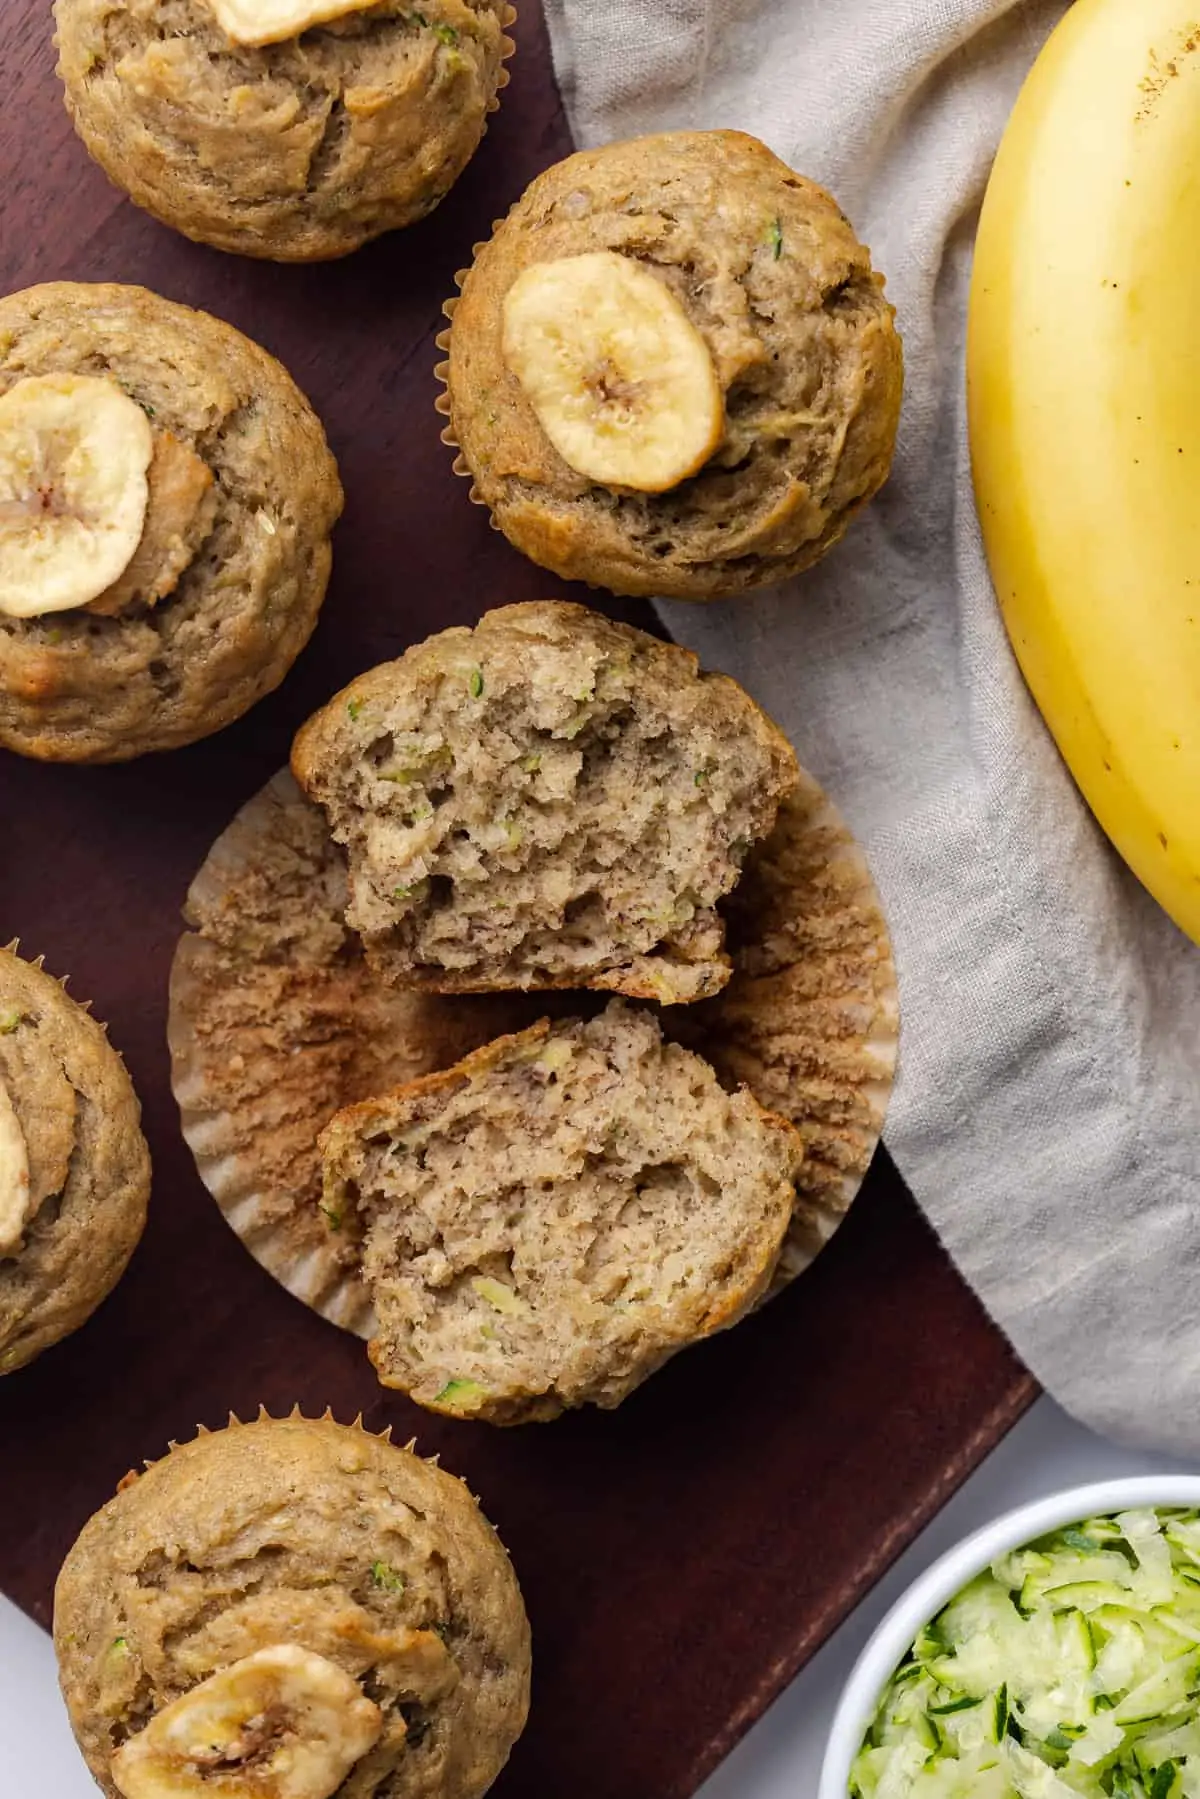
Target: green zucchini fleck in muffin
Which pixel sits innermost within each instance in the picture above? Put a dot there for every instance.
(277, 1021)
(74, 1167)
(673, 370)
(546, 1223)
(550, 800)
(292, 1609)
(289, 129)
(166, 502)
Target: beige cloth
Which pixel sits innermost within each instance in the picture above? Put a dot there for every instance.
(1048, 1110)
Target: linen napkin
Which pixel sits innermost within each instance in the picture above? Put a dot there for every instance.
(1047, 1114)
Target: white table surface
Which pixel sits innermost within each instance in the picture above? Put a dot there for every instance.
(780, 1758)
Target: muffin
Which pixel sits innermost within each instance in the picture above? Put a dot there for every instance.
(546, 1223)
(549, 800)
(292, 1607)
(166, 502)
(672, 370)
(294, 131)
(74, 1167)
(277, 1022)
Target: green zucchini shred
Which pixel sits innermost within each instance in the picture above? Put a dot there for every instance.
(1069, 1670)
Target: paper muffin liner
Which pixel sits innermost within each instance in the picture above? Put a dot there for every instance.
(38, 964)
(441, 404)
(810, 1020)
(276, 1022)
(508, 50)
(297, 1415)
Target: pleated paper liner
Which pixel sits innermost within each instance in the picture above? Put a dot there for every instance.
(276, 1022)
(810, 1020)
(295, 1416)
(508, 49)
(441, 404)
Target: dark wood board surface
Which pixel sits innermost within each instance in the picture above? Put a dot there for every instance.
(681, 1558)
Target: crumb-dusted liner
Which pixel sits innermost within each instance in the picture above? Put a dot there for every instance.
(275, 1022)
(441, 404)
(274, 1026)
(810, 1020)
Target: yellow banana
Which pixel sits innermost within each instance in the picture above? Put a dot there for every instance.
(1083, 367)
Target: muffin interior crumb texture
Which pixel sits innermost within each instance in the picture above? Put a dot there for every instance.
(303, 1533)
(549, 800)
(771, 274)
(224, 589)
(297, 150)
(546, 1224)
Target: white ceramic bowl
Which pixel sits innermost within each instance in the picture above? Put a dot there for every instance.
(938, 1585)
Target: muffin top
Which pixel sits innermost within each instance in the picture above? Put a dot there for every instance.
(373, 1571)
(294, 131)
(673, 370)
(74, 1167)
(166, 499)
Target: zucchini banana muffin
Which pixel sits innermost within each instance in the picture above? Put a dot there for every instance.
(672, 370)
(276, 1022)
(289, 129)
(547, 1223)
(292, 1608)
(74, 1167)
(166, 502)
(549, 800)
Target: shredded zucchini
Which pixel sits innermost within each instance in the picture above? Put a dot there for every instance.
(1071, 1667)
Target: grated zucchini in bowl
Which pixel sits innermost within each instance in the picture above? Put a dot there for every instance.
(1071, 1667)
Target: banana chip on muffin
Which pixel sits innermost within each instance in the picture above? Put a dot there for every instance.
(166, 502)
(673, 370)
(295, 1609)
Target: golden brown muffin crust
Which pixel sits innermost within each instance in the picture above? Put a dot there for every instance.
(89, 1165)
(84, 687)
(298, 151)
(771, 274)
(315, 1533)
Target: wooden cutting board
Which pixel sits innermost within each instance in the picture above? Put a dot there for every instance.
(681, 1558)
